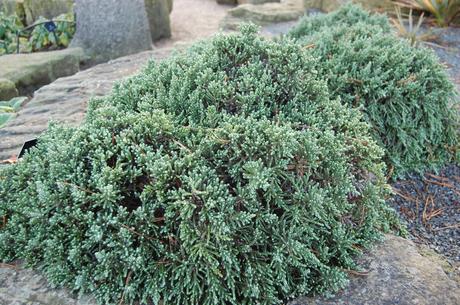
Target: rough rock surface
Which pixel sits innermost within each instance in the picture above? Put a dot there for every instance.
(7, 89)
(158, 16)
(31, 71)
(397, 274)
(107, 29)
(232, 2)
(256, 1)
(33, 9)
(330, 5)
(65, 100)
(263, 14)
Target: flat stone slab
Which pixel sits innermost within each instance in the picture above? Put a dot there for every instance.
(263, 14)
(33, 70)
(397, 275)
(65, 100)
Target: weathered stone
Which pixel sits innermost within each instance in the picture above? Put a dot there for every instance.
(65, 100)
(231, 2)
(34, 9)
(31, 71)
(256, 1)
(397, 274)
(170, 5)
(331, 5)
(158, 15)
(263, 14)
(7, 90)
(107, 29)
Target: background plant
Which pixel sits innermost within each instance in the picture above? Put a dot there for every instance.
(38, 38)
(41, 38)
(9, 25)
(406, 28)
(8, 108)
(403, 91)
(224, 175)
(444, 11)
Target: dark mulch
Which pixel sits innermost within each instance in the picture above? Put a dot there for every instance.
(430, 206)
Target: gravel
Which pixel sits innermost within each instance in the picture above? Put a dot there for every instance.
(430, 206)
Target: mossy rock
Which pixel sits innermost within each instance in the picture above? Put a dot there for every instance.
(31, 71)
(7, 89)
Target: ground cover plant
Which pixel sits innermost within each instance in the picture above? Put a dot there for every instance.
(225, 175)
(403, 91)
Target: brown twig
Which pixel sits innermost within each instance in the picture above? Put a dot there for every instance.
(402, 195)
(11, 160)
(10, 266)
(358, 273)
(128, 278)
(444, 184)
(77, 187)
(455, 226)
(136, 233)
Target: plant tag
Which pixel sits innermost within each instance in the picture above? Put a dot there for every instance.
(26, 146)
(50, 26)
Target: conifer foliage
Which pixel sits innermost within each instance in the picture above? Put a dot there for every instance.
(225, 175)
(403, 91)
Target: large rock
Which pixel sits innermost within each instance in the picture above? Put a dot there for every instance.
(158, 15)
(397, 273)
(231, 2)
(256, 1)
(263, 14)
(33, 9)
(31, 71)
(107, 29)
(331, 5)
(7, 89)
(65, 100)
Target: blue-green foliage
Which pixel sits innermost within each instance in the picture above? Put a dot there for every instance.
(403, 91)
(224, 175)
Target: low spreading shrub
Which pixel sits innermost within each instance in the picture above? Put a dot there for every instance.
(225, 175)
(403, 91)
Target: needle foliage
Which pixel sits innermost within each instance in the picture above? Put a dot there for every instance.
(402, 90)
(224, 175)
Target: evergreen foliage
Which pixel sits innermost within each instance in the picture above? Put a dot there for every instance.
(403, 91)
(225, 175)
